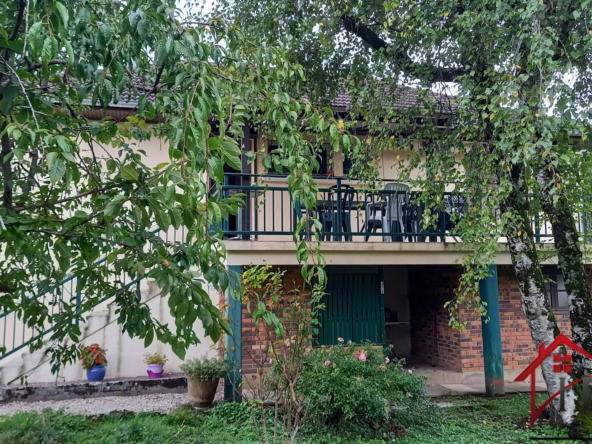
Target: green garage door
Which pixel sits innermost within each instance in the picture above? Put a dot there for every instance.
(354, 309)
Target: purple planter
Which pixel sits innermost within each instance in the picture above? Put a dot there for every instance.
(96, 373)
(155, 371)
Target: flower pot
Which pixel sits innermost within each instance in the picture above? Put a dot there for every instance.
(155, 371)
(201, 393)
(96, 373)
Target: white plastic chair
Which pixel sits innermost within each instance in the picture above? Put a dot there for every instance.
(391, 210)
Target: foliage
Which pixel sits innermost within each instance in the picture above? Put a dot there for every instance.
(204, 369)
(469, 420)
(285, 323)
(92, 356)
(358, 385)
(80, 197)
(155, 358)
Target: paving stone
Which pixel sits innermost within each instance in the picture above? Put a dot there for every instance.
(460, 389)
(437, 390)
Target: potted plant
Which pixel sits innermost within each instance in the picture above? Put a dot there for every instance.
(155, 363)
(203, 375)
(94, 361)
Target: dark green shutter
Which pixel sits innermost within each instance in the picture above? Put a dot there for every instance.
(354, 309)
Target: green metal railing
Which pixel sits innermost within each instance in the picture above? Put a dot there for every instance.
(349, 214)
(65, 292)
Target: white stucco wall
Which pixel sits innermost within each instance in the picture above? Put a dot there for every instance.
(125, 355)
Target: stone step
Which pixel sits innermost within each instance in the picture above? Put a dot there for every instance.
(171, 383)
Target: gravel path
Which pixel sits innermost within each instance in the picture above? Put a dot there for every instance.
(97, 406)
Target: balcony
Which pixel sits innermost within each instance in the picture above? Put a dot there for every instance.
(347, 213)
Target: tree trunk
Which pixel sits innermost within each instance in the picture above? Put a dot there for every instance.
(536, 306)
(571, 263)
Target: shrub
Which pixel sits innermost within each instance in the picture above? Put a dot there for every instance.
(204, 369)
(92, 356)
(359, 385)
(155, 358)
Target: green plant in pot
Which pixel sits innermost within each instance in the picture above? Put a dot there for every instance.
(155, 363)
(203, 375)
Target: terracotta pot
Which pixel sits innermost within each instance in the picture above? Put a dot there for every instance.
(202, 393)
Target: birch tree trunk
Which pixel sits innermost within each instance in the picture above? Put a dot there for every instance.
(571, 263)
(536, 306)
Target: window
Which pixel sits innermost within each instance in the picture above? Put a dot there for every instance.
(354, 310)
(322, 157)
(556, 289)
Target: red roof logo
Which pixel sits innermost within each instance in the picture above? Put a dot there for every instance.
(562, 363)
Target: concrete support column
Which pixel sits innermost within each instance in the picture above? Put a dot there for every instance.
(234, 343)
(492, 337)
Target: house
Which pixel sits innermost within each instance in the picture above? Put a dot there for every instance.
(394, 280)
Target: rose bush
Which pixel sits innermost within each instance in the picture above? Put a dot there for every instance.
(360, 385)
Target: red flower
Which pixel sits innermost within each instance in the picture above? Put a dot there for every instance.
(97, 361)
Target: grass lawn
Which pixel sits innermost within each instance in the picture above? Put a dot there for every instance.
(468, 420)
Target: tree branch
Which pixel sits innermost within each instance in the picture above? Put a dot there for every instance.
(31, 179)
(36, 66)
(373, 40)
(6, 170)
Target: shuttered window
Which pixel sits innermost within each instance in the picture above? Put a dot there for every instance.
(354, 309)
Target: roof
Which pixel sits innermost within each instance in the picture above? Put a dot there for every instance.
(404, 97)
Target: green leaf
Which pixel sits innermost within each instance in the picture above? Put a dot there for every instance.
(57, 170)
(70, 52)
(149, 338)
(63, 13)
(13, 45)
(216, 169)
(113, 207)
(141, 103)
(51, 157)
(63, 143)
(162, 220)
(49, 51)
(83, 16)
(106, 32)
(129, 172)
(35, 40)
(232, 154)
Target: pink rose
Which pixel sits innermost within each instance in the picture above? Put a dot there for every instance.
(387, 360)
(270, 360)
(339, 339)
(410, 372)
(287, 342)
(327, 362)
(362, 357)
(358, 378)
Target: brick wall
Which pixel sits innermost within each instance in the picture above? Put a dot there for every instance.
(431, 286)
(254, 345)
(432, 340)
(518, 350)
